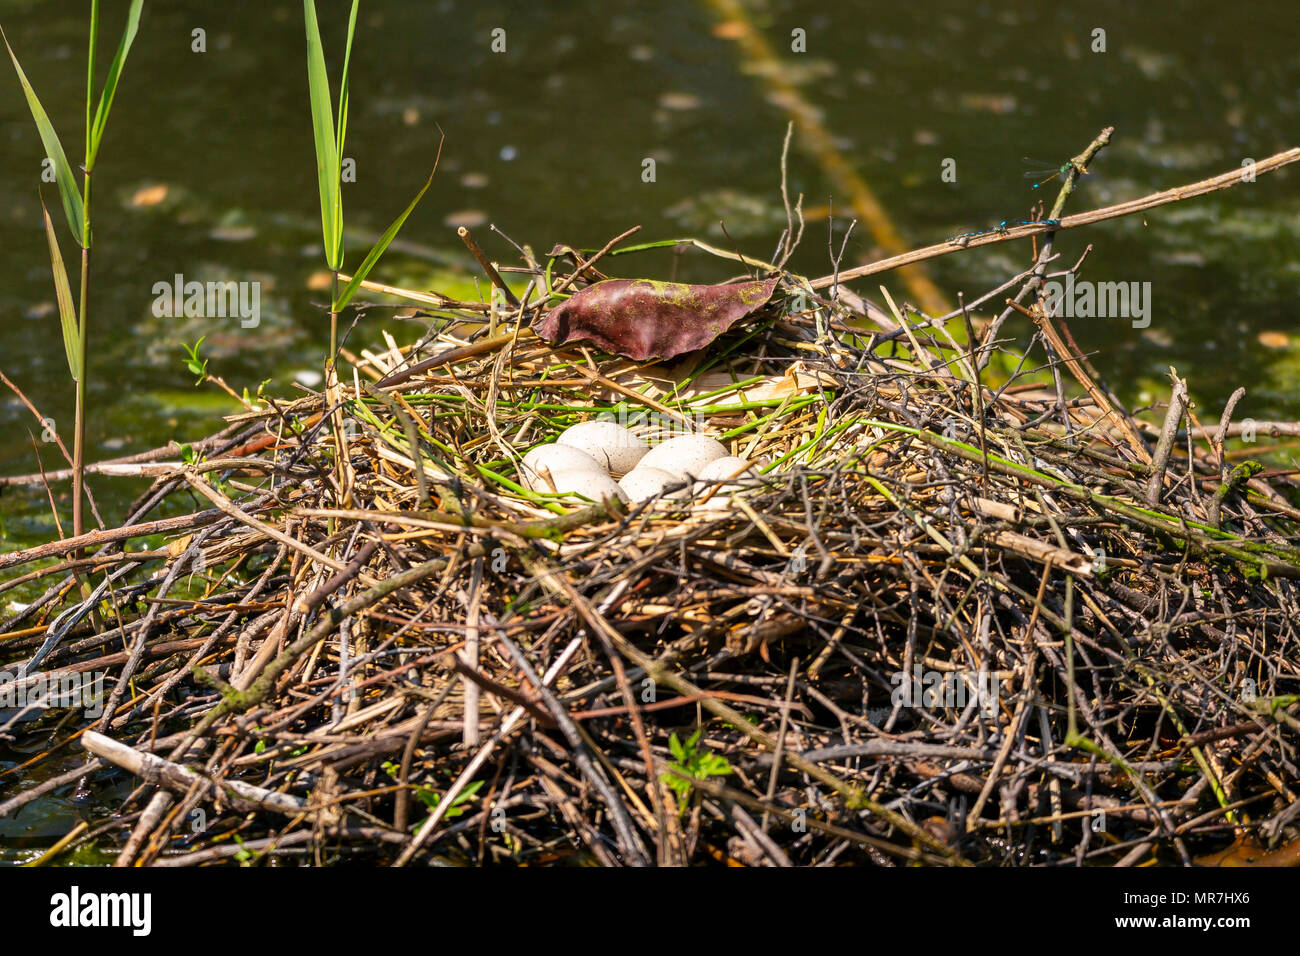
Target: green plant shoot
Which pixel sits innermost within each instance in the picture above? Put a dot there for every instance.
(694, 762)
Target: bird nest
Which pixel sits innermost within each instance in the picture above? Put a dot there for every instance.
(950, 620)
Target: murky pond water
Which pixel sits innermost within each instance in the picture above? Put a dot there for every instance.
(208, 172)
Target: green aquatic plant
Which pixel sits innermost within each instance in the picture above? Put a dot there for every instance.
(75, 320)
(692, 761)
(329, 130)
(197, 366)
(431, 798)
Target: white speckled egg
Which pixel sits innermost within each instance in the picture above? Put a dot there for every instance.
(595, 485)
(727, 469)
(642, 483)
(610, 444)
(684, 455)
(555, 459)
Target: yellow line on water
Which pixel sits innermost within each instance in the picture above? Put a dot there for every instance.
(815, 139)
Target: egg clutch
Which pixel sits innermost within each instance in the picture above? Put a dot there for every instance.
(598, 460)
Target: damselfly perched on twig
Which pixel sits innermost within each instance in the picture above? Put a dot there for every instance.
(1002, 228)
(1046, 172)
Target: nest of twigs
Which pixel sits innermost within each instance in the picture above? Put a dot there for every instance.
(956, 620)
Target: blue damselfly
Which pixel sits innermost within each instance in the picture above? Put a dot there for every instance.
(1004, 227)
(1046, 172)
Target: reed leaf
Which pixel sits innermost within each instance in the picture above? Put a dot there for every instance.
(342, 126)
(63, 293)
(382, 244)
(95, 133)
(323, 130)
(92, 44)
(68, 190)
